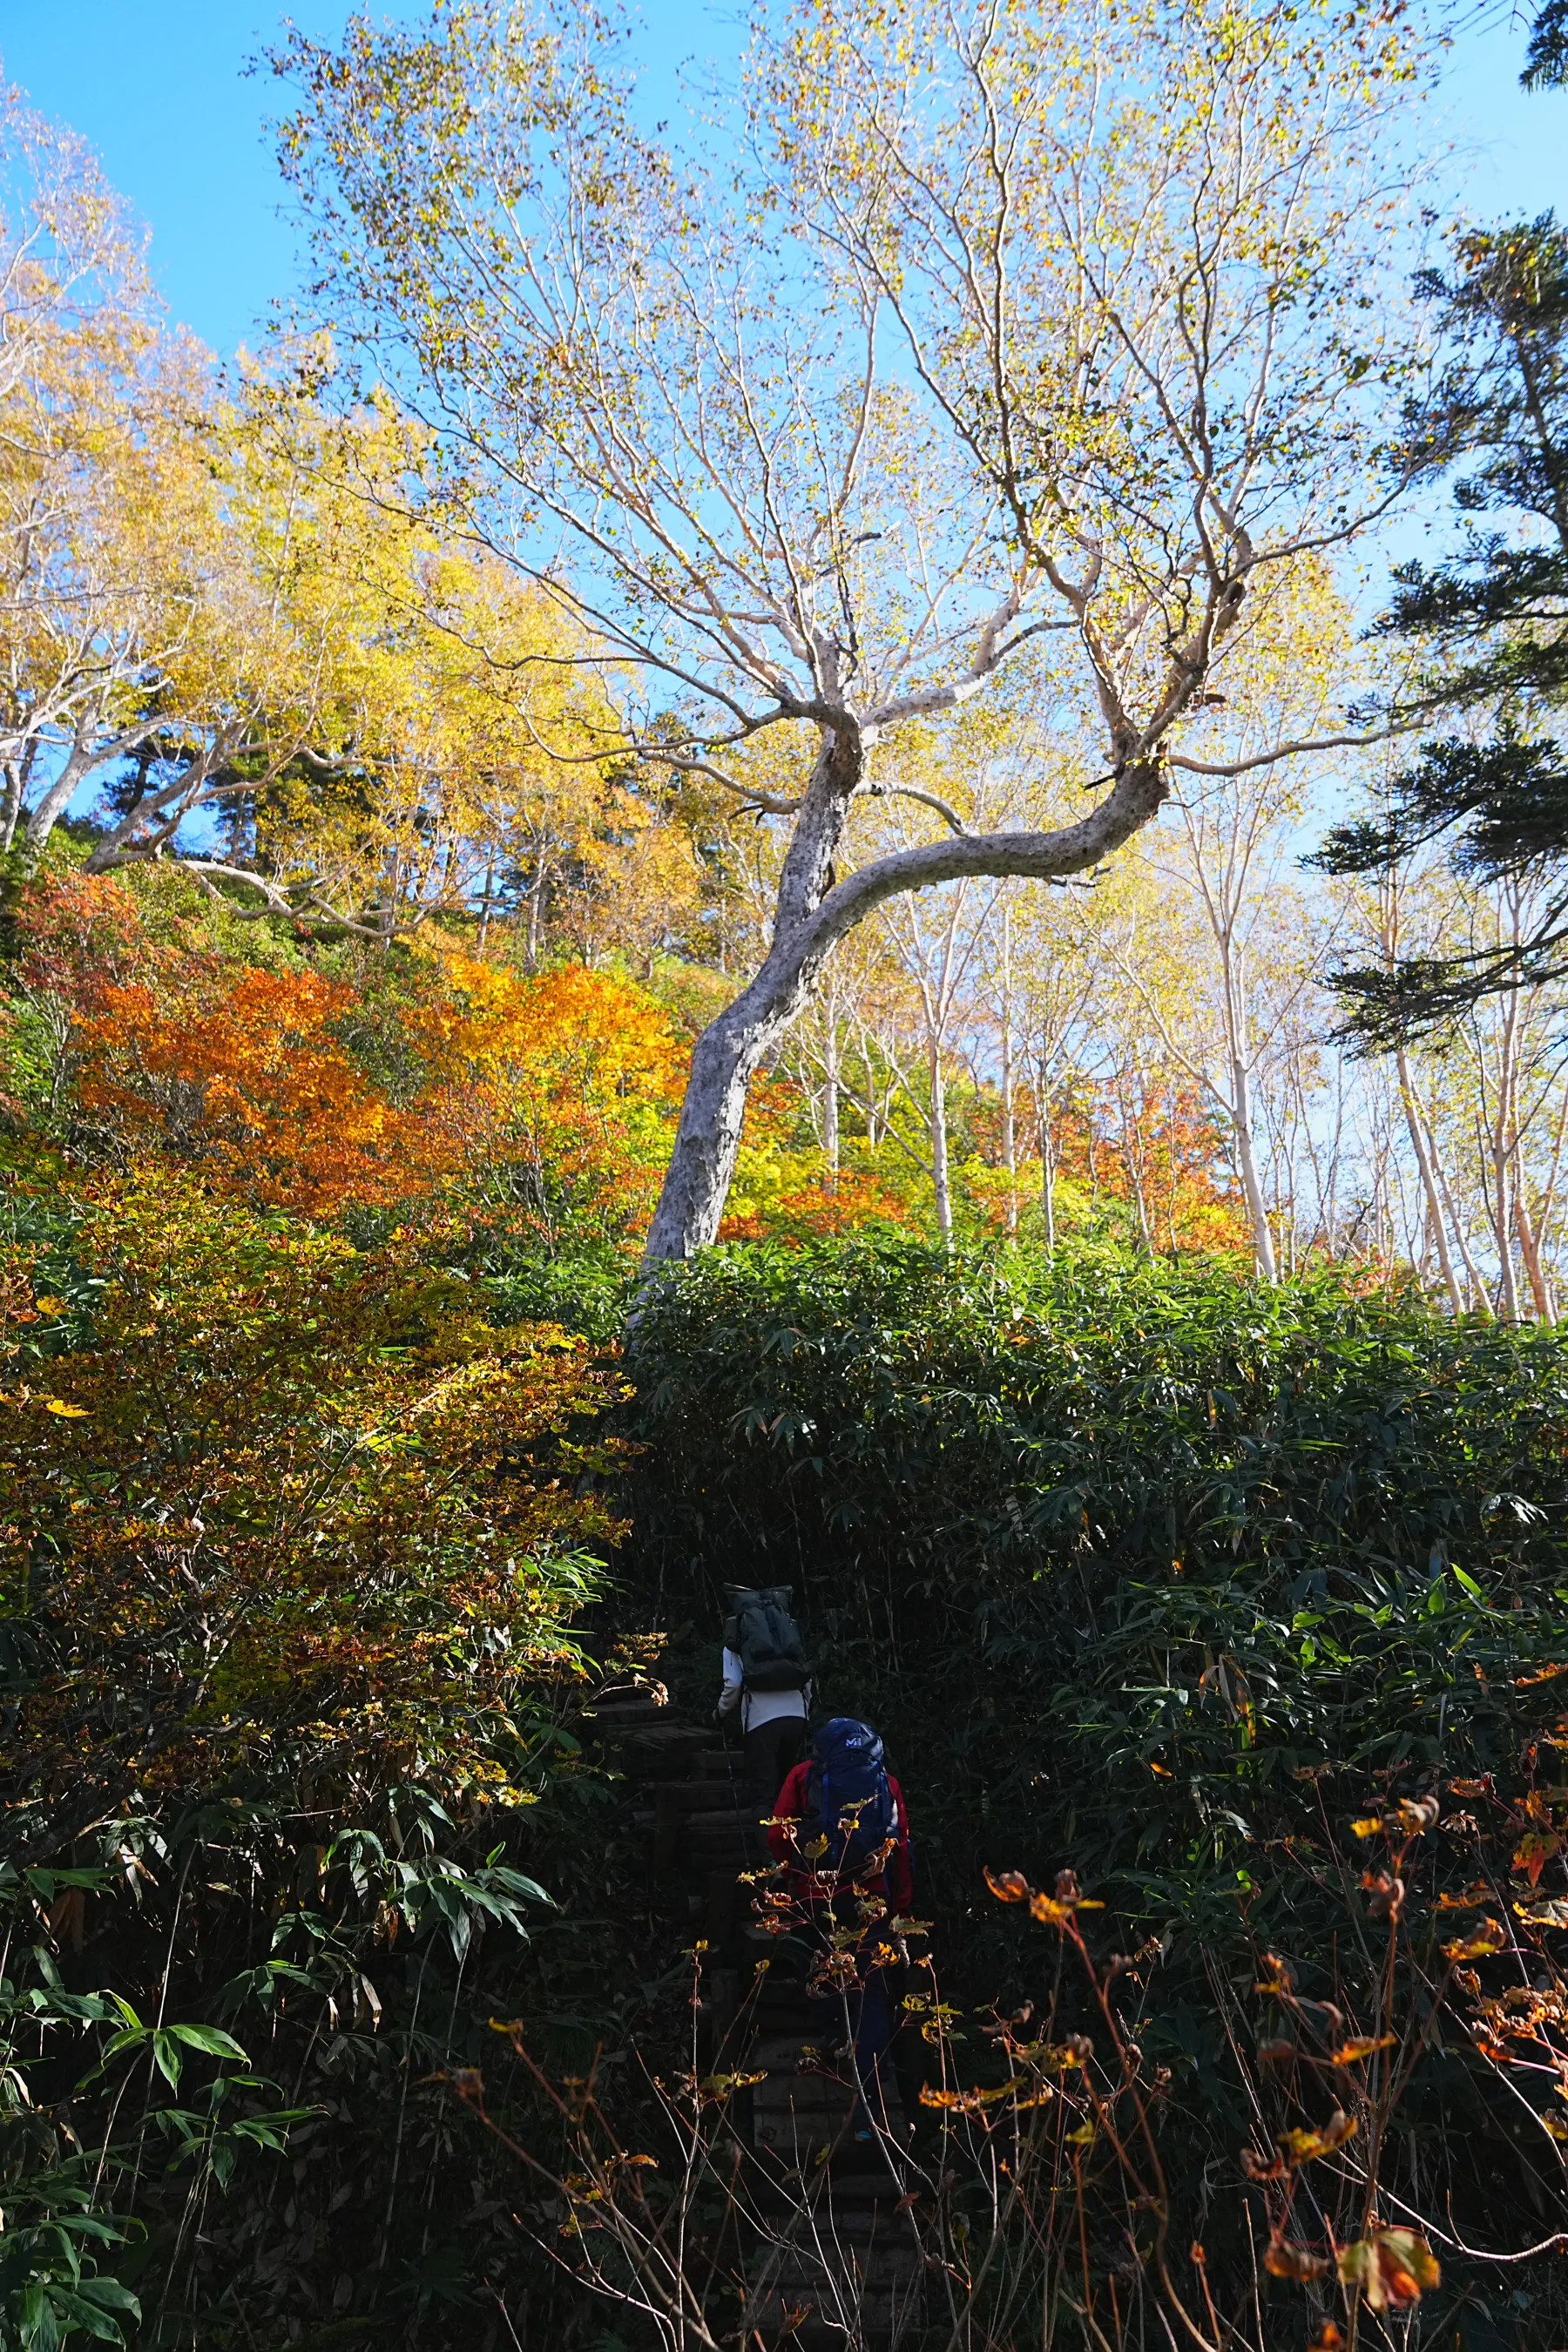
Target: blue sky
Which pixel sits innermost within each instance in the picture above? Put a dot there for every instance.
(159, 87)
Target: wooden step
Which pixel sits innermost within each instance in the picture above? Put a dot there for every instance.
(830, 2261)
(881, 2318)
(660, 1754)
(621, 1704)
(777, 2052)
(849, 2269)
(798, 2134)
(692, 1796)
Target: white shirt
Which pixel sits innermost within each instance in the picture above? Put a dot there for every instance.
(758, 1706)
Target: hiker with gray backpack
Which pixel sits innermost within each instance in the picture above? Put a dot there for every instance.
(767, 1684)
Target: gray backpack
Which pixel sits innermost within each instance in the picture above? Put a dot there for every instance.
(765, 1637)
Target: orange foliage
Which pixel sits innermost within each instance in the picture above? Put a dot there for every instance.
(531, 1104)
(813, 1212)
(242, 1069)
(1160, 1142)
(184, 1052)
(555, 1093)
(571, 1078)
(79, 933)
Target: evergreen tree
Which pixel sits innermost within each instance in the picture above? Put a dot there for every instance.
(1496, 612)
(1546, 60)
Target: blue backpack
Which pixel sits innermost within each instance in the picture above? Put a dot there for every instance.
(847, 1779)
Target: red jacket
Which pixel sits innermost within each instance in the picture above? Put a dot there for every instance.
(897, 1884)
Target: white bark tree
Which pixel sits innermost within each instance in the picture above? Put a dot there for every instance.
(995, 322)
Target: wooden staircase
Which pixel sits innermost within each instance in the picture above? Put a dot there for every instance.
(830, 2256)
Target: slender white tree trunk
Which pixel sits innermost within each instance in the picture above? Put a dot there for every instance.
(1435, 1218)
(10, 802)
(1529, 1249)
(1009, 1139)
(1246, 1161)
(830, 1099)
(1133, 1153)
(1503, 1159)
(1480, 1300)
(938, 1137)
(535, 912)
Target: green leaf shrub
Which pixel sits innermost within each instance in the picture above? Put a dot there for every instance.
(1146, 1572)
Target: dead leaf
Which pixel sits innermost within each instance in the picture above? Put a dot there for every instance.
(1393, 2268)
(1301, 2146)
(1351, 2053)
(1490, 1937)
(1534, 1851)
(1287, 2261)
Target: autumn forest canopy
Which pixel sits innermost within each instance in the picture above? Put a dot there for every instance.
(825, 844)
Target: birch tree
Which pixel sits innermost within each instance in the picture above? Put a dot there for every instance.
(1225, 987)
(995, 327)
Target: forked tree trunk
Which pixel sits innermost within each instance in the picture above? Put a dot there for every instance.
(1435, 1219)
(812, 913)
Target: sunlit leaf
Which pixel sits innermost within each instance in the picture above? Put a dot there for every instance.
(1393, 2268)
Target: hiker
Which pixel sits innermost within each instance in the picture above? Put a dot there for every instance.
(767, 1682)
(843, 1793)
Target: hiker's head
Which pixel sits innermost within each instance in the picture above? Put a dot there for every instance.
(843, 1738)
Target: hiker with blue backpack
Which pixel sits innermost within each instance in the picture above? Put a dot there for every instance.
(767, 1684)
(842, 1827)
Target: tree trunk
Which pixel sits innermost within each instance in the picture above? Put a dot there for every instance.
(1256, 1214)
(10, 802)
(811, 913)
(830, 1104)
(1503, 1210)
(733, 1046)
(938, 1140)
(872, 1138)
(51, 805)
(535, 912)
(1529, 1250)
(1480, 1303)
(1133, 1153)
(1009, 1139)
(1412, 1121)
